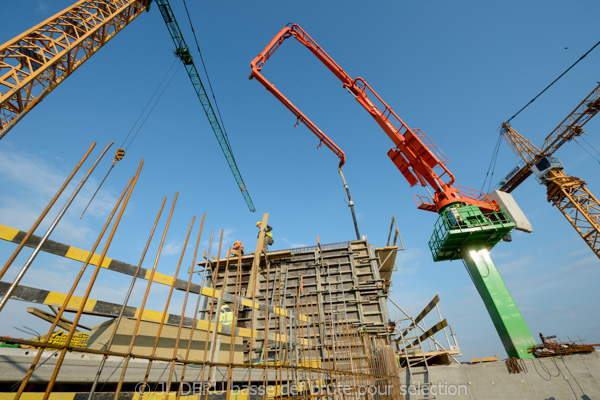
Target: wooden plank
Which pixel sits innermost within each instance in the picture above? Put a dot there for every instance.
(273, 255)
(387, 260)
(490, 359)
(257, 254)
(46, 316)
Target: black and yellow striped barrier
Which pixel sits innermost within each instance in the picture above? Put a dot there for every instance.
(430, 332)
(16, 236)
(106, 309)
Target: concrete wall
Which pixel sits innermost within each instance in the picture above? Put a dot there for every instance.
(569, 377)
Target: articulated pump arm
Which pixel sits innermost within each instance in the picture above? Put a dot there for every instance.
(461, 232)
(257, 64)
(417, 158)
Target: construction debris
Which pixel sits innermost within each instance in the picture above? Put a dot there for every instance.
(552, 348)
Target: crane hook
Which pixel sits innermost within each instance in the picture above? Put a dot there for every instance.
(119, 155)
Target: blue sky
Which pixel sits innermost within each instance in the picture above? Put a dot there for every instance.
(454, 69)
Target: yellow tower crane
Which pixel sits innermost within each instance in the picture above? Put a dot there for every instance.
(568, 193)
(35, 62)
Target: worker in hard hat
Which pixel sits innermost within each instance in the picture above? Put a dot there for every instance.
(238, 248)
(226, 317)
(268, 235)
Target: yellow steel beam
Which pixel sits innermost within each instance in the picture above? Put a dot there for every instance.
(35, 62)
(571, 126)
(520, 146)
(581, 208)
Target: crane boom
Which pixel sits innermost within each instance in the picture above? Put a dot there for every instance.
(569, 128)
(575, 201)
(38, 60)
(183, 52)
(569, 194)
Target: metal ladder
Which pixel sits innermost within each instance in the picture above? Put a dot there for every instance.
(417, 368)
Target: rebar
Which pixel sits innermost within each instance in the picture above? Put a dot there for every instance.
(303, 339)
(127, 296)
(45, 212)
(35, 361)
(63, 352)
(187, 292)
(168, 302)
(144, 300)
(51, 229)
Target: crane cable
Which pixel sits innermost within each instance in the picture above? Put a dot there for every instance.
(210, 85)
(118, 157)
(492, 166)
(554, 81)
(206, 73)
(591, 146)
(496, 148)
(587, 151)
(120, 151)
(148, 103)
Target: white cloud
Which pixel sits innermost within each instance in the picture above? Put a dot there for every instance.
(292, 245)
(29, 183)
(41, 7)
(407, 261)
(171, 248)
(523, 263)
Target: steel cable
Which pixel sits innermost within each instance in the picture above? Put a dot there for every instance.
(554, 81)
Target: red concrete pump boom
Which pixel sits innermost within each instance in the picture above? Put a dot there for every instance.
(415, 155)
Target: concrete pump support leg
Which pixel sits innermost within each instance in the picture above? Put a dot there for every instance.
(507, 318)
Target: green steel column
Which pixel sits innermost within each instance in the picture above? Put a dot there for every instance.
(507, 318)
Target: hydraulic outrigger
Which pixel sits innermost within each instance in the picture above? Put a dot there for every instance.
(469, 223)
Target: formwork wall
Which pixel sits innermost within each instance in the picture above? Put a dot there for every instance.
(329, 284)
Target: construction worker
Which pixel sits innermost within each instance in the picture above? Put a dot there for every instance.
(226, 317)
(268, 236)
(238, 248)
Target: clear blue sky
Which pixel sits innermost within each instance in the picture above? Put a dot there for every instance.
(454, 69)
